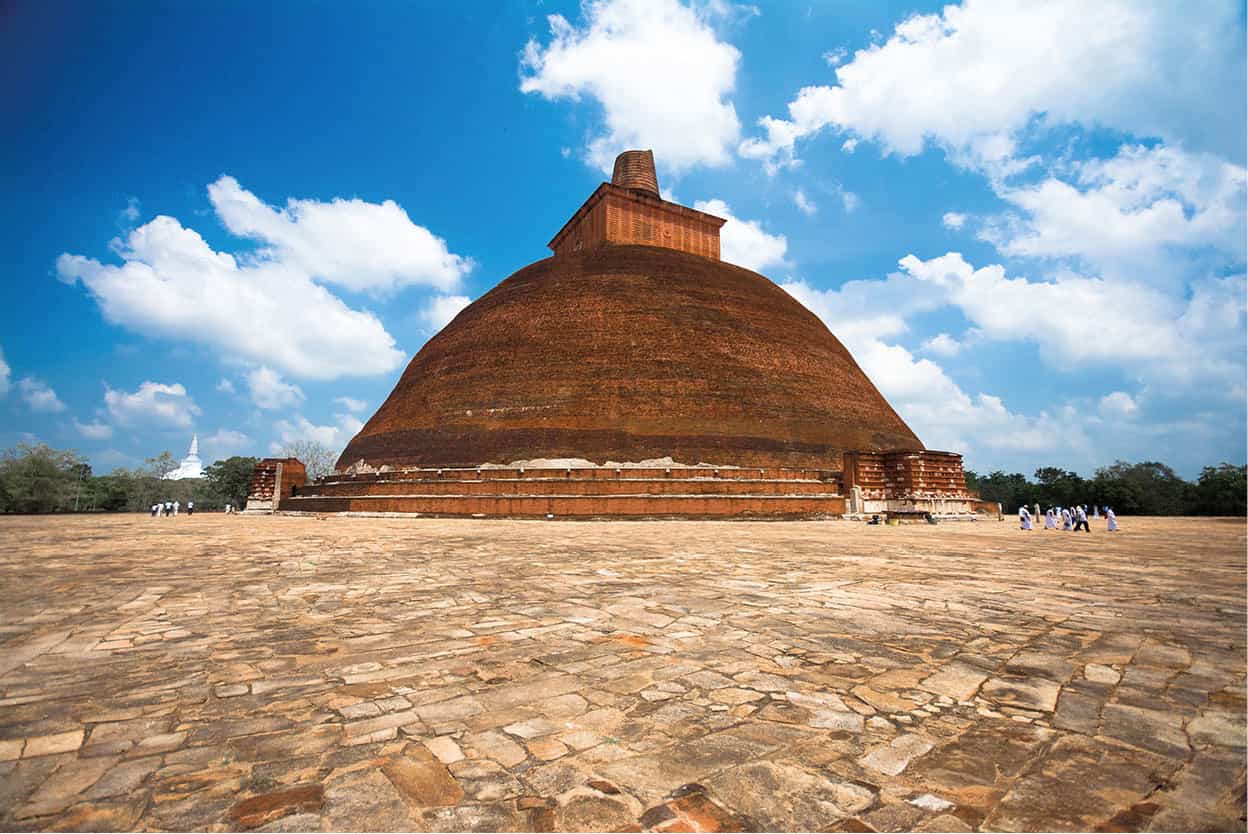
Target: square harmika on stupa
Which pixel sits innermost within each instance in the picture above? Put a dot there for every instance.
(635, 374)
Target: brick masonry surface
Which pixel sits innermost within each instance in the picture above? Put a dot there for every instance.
(631, 353)
(617, 216)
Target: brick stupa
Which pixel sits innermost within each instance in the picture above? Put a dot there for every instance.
(633, 373)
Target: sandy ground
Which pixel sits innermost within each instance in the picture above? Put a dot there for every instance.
(229, 673)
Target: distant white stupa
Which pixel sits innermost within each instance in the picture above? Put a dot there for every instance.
(191, 467)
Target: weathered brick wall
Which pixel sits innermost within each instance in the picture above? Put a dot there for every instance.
(274, 479)
(904, 474)
(614, 215)
(925, 475)
(864, 470)
(293, 475)
(263, 480)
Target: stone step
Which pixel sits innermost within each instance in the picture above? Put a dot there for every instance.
(556, 487)
(590, 474)
(578, 506)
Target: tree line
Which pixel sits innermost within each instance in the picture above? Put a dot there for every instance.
(1147, 488)
(40, 479)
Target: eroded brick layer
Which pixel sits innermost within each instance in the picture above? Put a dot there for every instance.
(628, 353)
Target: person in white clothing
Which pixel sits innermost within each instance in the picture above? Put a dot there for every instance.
(1024, 519)
(1066, 519)
(1111, 520)
(176, 506)
(1081, 520)
(1050, 520)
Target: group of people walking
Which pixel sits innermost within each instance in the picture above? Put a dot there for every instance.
(171, 508)
(1072, 518)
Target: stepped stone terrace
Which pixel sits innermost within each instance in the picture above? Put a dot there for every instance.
(284, 673)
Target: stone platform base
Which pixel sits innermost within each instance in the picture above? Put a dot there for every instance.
(577, 493)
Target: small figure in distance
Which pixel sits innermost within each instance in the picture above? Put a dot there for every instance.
(177, 505)
(1066, 519)
(168, 509)
(1024, 519)
(1111, 520)
(1050, 519)
(190, 507)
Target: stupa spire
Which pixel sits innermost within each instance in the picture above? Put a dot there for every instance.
(635, 170)
(629, 211)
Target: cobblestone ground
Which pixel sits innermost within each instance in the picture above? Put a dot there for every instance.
(301, 674)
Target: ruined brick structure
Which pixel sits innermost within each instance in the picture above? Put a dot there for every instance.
(632, 344)
(906, 480)
(272, 480)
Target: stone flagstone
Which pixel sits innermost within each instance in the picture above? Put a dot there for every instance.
(291, 674)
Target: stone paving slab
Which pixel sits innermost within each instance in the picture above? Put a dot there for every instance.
(283, 674)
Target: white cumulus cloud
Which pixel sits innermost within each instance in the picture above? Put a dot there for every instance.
(173, 285)
(39, 396)
(1146, 211)
(1168, 70)
(953, 220)
(223, 442)
(440, 309)
(351, 404)
(659, 71)
(804, 204)
(743, 242)
(941, 412)
(4, 375)
(1076, 318)
(154, 403)
(95, 430)
(942, 344)
(269, 391)
(1118, 404)
(334, 435)
(351, 243)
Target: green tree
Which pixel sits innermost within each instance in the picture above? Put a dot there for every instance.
(1221, 490)
(40, 479)
(231, 478)
(1012, 490)
(1147, 488)
(1060, 488)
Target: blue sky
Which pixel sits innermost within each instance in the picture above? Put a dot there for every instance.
(1026, 221)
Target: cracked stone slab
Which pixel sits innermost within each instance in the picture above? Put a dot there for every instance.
(457, 675)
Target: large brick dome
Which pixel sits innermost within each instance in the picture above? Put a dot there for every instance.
(627, 353)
